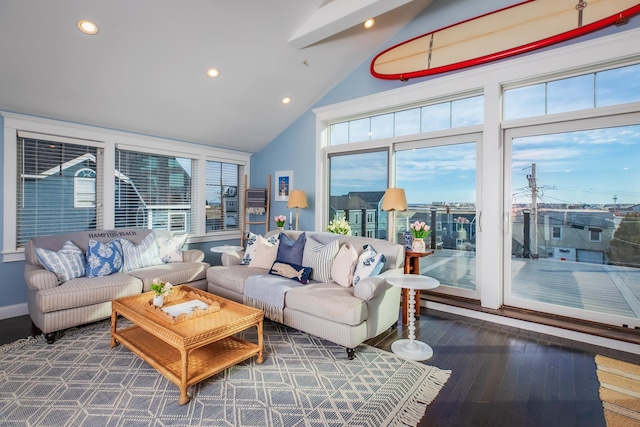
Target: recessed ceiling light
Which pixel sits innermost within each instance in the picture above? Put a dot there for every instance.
(87, 27)
(213, 72)
(286, 100)
(369, 23)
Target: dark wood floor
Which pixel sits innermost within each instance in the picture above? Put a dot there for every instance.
(501, 376)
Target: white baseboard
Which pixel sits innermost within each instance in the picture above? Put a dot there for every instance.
(15, 310)
(536, 327)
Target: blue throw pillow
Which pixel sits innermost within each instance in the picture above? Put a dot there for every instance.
(290, 251)
(103, 259)
(291, 271)
(67, 263)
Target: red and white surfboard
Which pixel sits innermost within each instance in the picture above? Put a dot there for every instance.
(506, 32)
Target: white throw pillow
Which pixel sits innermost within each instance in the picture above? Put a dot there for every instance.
(170, 248)
(250, 250)
(319, 257)
(370, 263)
(265, 255)
(343, 265)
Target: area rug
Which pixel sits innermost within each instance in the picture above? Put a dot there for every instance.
(304, 381)
(619, 391)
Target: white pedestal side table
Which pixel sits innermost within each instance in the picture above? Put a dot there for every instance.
(226, 248)
(412, 348)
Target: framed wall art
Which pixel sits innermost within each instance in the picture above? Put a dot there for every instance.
(284, 185)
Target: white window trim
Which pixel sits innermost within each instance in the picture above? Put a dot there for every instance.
(494, 217)
(107, 139)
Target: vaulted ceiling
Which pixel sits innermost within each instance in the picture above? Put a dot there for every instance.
(145, 71)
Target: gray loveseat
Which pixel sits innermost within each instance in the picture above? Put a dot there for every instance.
(55, 305)
(347, 316)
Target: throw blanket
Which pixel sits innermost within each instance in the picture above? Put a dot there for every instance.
(267, 292)
(257, 201)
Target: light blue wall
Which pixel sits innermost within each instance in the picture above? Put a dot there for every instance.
(294, 149)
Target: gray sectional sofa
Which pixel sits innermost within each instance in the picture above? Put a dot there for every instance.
(346, 315)
(56, 304)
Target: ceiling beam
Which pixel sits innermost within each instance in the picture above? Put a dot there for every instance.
(339, 15)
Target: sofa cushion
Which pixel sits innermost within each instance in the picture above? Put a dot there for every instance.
(139, 256)
(83, 291)
(176, 273)
(328, 301)
(343, 265)
(319, 257)
(290, 251)
(232, 277)
(370, 263)
(170, 248)
(291, 271)
(67, 263)
(103, 259)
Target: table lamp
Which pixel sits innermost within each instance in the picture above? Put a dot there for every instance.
(394, 200)
(297, 199)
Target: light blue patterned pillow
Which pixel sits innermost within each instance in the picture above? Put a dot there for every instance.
(67, 263)
(103, 259)
(251, 248)
(370, 263)
(170, 248)
(143, 255)
(320, 258)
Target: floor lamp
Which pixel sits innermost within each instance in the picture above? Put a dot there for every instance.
(394, 200)
(297, 199)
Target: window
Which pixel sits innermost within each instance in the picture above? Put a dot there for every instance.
(595, 234)
(85, 189)
(582, 92)
(223, 196)
(56, 186)
(445, 115)
(556, 232)
(150, 189)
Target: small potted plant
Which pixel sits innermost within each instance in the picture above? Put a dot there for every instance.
(160, 289)
(419, 232)
(280, 220)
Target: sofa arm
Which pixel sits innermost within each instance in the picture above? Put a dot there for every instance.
(372, 286)
(192, 255)
(232, 258)
(39, 278)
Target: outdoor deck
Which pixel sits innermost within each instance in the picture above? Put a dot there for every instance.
(594, 287)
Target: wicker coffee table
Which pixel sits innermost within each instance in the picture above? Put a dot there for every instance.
(194, 348)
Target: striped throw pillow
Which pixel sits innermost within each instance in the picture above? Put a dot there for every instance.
(319, 257)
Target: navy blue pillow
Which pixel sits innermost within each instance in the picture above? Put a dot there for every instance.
(290, 251)
(291, 271)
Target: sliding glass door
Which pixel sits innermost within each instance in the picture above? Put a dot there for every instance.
(574, 201)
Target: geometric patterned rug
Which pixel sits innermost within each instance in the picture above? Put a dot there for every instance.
(304, 381)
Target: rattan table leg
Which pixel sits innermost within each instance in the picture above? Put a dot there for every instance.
(114, 324)
(185, 397)
(260, 357)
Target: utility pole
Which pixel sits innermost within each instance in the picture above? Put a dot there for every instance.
(534, 209)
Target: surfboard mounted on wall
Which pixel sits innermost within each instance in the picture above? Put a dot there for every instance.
(520, 28)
